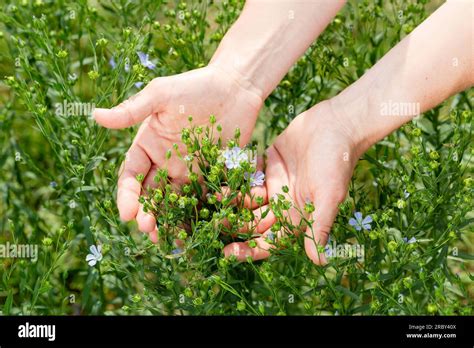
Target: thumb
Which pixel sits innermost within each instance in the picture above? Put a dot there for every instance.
(327, 207)
(132, 111)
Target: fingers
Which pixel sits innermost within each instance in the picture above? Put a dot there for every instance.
(128, 192)
(242, 250)
(131, 111)
(154, 236)
(318, 234)
(146, 222)
(263, 220)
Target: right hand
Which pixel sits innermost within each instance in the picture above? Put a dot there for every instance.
(162, 108)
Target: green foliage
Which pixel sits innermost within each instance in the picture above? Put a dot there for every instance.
(58, 175)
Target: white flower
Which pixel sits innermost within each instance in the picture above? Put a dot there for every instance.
(145, 60)
(95, 255)
(234, 157)
(256, 179)
(409, 241)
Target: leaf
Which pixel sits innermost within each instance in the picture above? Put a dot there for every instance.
(361, 309)
(465, 256)
(86, 188)
(347, 292)
(454, 290)
(94, 163)
(7, 307)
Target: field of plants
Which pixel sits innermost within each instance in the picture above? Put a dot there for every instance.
(402, 242)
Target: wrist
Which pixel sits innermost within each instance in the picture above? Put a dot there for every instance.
(268, 38)
(242, 81)
(349, 115)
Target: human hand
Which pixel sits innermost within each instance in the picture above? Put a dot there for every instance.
(315, 158)
(163, 107)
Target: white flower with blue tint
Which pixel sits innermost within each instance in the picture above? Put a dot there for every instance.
(145, 60)
(328, 249)
(127, 65)
(95, 255)
(256, 179)
(409, 241)
(175, 253)
(112, 63)
(234, 157)
(271, 236)
(360, 222)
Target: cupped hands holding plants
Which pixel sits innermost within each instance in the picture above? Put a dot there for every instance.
(232, 87)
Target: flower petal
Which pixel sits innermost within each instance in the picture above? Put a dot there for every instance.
(143, 58)
(150, 65)
(112, 63)
(93, 249)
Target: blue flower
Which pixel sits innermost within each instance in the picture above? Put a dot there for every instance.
(256, 179)
(409, 241)
(112, 63)
(53, 184)
(145, 61)
(360, 222)
(138, 84)
(177, 251)
(328, 250)
(271, 236)
(234, 157)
